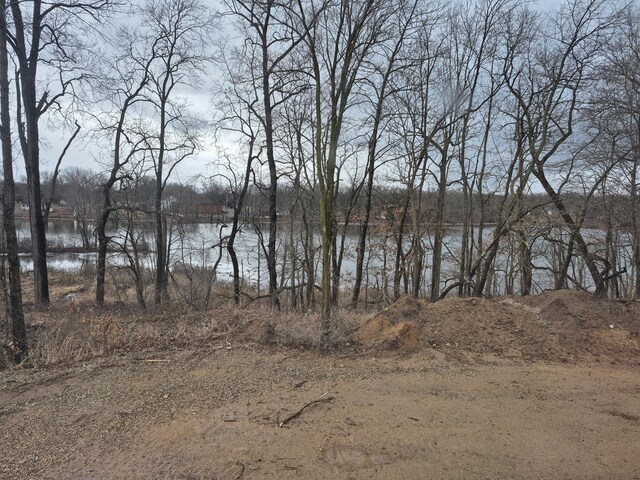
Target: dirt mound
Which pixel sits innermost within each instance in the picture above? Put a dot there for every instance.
(387, 336)
(394, 328)
(557, 326)
(257, 331)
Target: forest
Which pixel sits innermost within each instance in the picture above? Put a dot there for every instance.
(328, 125)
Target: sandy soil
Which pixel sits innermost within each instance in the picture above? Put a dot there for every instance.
(215, 413)
(543, 387)
(560, 326)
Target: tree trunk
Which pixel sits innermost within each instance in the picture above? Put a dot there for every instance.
(635, 224)
(103, 242)
(161, 280)
(400, 257)
(273, 175)
(364, 228)
(14, 308)
(526, 271)
(436, 266)
(600, 284)
(30, 141)
(161, 249)
(235, 226)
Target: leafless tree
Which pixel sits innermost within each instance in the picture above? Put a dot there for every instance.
(81, 190)
(394, 58)
(546, 84)
(178, 31)
(616, 111)
(339, 41)
(15, 312)
(122, 90)
(236, 105)
(45, 37)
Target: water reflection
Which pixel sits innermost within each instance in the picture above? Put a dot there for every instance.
(199, 245)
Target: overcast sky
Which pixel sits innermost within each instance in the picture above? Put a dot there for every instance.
(82, 153)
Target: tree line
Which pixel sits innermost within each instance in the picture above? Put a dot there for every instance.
(362, 118)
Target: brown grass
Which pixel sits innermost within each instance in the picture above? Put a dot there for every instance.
(71, 333)
(74, 329)
(78, 331)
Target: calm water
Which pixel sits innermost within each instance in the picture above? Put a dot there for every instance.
(198, 245)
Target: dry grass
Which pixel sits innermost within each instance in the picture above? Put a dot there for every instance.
(72, 333)
(78, 331)
(305, 330)
(74, 329)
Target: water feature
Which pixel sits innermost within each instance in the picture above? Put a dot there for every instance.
(198, 245)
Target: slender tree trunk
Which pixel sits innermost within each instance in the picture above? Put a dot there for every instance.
(294, 263)
(526, 271)
(481, 198)
(309, 258)
(467, 196)
(161, 281)
(235, 226)
(400, 257)
(364, 227)
(103, 243)
(38, 235)
(161, 245)
(14, 308)
(418, 250)
(30, 141)
(466, 238)
(487, 265)
(273, 174)
(337, 256)
(582, 248)
(56, 174)
(134, 260)
(436, 267)
(524, 248)
(327, 216)
(635, 224)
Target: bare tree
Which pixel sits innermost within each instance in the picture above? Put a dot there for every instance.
(393, 60)
(15, 311)
(617, 114)
(51, 34)
(296, 134)
(56, 173)
(273, 38)
(337, 46)
(178, 31)
(236, 106)
(477, 30)
(546, 85)
(123, 88)
(81, 189)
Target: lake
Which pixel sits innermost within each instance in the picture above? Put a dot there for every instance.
(197, 245)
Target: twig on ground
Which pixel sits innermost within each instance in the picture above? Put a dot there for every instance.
(323, 399)
(241, 465)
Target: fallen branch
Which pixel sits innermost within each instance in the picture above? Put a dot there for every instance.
(322, 399)
(241, 465)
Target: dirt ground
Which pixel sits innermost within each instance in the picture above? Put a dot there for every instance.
(216, 413)
(552, 392)
(559, 326)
